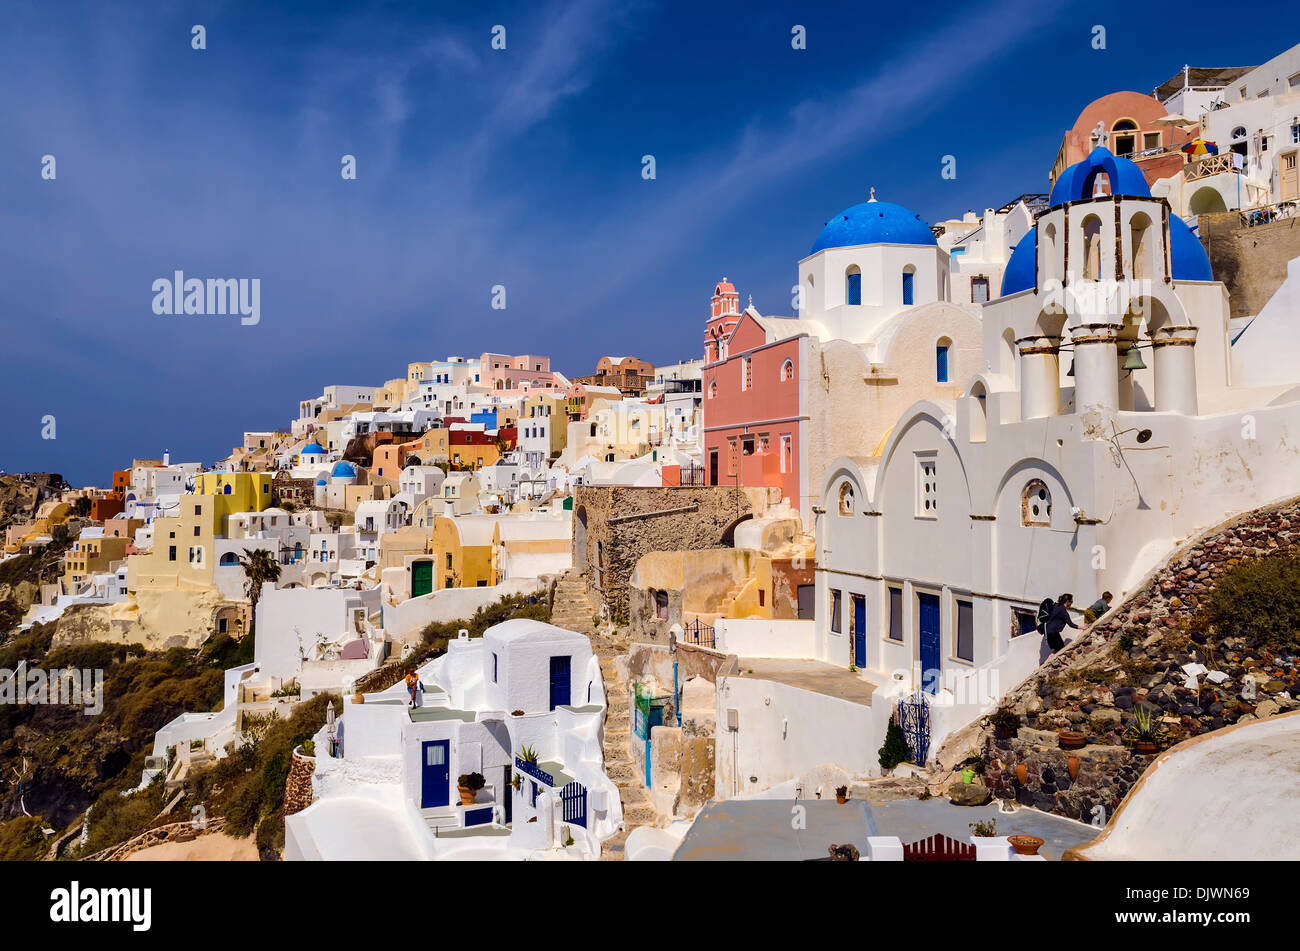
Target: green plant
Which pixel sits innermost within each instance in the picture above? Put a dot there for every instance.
(517, 782)
(841, 792)
(528, 754)
(985, 828)
(471, 781)
(894, 750)
(1006, 720)
(308, 748)
(1258, 600)
(1145, 727)
(974, 763)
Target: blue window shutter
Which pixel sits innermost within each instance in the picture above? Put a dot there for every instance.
(941, 359)
(853, 290)
(907, 288)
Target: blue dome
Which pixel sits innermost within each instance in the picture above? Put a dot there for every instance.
(1019, 273)
(1190, 262)
(313, 450)
(874, 222)
(1075, 183)
(321, 482)
(343, 470)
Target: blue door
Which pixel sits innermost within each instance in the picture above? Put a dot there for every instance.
(929, 636)
(435, 787)
(560, 694)
(859, 631)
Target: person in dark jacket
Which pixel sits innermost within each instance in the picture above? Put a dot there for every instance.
(1059, 620)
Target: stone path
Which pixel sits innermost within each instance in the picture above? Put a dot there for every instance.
(637, 807)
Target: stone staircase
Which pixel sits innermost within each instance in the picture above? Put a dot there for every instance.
(638, 809)
(572, 608)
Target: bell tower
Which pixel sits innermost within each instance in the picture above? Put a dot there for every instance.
(724, 314)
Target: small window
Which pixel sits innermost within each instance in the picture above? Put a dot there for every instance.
(979, 290)
(532, 793)
(964, 647)
(1036, 504)
(846, 498)
(196, 531)
(853, 286)
(198, 510)
(835, 611)
(661, 605)
(1023, 622)
(927, 487)
(494, 667)
(896, 614)
(171, 553)
(941, 361)
(787, 371)
(909, 276)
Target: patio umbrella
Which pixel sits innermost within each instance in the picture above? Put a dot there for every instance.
(1174, 118)
(1198, 147)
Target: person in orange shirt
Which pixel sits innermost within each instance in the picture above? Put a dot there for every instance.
(412, 684)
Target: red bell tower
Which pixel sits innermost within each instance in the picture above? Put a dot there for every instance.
(724, 313)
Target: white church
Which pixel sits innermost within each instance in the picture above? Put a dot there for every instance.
(1110, 421)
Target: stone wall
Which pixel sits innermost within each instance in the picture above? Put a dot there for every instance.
(614, 526)
(1133, 657)
(1251, 262)
(1104, 774)
(297, 788)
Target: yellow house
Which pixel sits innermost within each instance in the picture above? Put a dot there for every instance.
(51, 513)
(462, 548)
(182, 554)
(392, 393)
(233, 492)
(415, 372)
(89, 556)
(552, 408)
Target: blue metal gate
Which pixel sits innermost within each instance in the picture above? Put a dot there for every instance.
(914, 718)
(859, 631)
(573, 799)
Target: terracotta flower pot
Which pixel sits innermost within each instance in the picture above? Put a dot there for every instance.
(841, 799)
(1025, 844)
(1071, 739)
(467, 795)
(1146, 747)
(1022, 772)
(358, 697)
(1073, 765)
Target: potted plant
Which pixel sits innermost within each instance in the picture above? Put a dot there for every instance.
(1071, 739)
(1146, 733)
(517, 782)
(1005, 723)
(1025, 844)
(841, 794)
(985, 828)
(528, 754)
(469, 784)
(970, 768)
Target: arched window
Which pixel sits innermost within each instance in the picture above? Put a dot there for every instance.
(229, 559)
(713, 391)
(1036, 504)
(787, 371)
(1092, 248)
(1238, 133)
(941, 360)
(846, 498)
(1142, 245)
(226, 490)
(909, 278)
(853, 285)
(1047, 255)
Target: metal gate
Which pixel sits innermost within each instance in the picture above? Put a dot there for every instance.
(914, 718)
(573, 799)
(697, 632)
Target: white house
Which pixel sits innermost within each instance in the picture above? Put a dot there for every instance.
(523, 707)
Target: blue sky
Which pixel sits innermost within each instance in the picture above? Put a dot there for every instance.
(478, 167)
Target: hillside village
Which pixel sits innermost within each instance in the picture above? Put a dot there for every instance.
(806, 566)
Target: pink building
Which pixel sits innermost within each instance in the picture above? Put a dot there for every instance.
(752, 406)
(500, 371)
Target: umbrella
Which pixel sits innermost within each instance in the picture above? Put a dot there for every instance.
(1174, 118)
(1198, 147)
